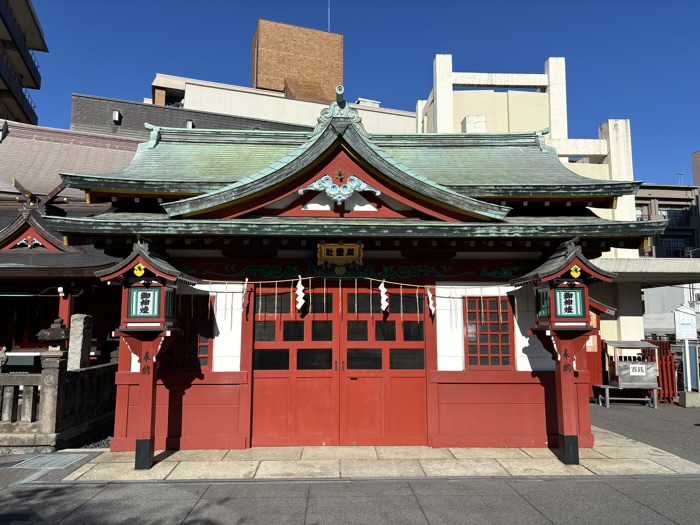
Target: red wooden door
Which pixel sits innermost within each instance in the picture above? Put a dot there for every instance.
(382, 372)
(295, 377)
(340, 372)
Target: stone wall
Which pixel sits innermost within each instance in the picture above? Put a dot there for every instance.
(55, 408)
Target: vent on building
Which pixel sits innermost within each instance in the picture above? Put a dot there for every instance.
(116, 117)
(189, 124)
(368, 103)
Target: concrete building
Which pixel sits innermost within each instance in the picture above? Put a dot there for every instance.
(269, 105)
(507, 103)
(679, 206)
(295, 72)
(124, 118)
(681, 239)
(20, 36)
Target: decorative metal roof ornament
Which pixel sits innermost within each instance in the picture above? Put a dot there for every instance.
(338, 109)
(339, 193)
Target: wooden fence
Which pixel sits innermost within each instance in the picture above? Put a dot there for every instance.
(667, 371)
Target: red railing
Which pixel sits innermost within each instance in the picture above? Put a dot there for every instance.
(667, 371)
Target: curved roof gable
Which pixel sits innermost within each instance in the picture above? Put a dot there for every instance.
(337, 124)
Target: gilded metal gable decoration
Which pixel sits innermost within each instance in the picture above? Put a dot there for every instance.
(139, 270)
(339, 193)
(575, 271)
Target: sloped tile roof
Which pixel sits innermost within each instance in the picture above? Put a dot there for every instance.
(35, 156)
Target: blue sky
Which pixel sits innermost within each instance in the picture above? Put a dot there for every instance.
(634, 59)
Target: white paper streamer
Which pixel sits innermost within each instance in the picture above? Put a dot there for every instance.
(300, 294)
(384, 297)
(431, 303)
(245, 293)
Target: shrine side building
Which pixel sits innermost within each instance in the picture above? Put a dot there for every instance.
(345, 288)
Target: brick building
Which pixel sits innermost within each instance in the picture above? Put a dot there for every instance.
(305, 64)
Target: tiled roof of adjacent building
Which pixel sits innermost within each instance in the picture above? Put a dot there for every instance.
(35, 156)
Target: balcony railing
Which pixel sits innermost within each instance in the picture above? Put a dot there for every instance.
(12, 21)
(673, 220)
(19, 91)
(18, 77)
(679, 221)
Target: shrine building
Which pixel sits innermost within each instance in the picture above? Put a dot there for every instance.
(337, 287)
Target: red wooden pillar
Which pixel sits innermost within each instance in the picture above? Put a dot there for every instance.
(145, 346)
(564, 345)
(65, 308)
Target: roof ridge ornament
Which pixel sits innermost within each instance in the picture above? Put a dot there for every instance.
(540, 138)
(154, 139)
(337, 109)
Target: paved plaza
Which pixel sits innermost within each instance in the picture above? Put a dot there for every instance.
(621, 480)
(613, 455)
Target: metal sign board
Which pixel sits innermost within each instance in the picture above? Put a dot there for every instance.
(686, 324)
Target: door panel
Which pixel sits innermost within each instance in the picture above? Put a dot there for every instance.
(383, 380)
(406, 407)
(363, 410)
(271, 409)
(314, 407)
(339, 373)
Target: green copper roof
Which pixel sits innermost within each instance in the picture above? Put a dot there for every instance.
(516, 227)
(493, 165)
(331, 131)
(183, 162)
(196, 161)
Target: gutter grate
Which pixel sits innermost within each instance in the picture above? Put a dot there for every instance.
(50, 461)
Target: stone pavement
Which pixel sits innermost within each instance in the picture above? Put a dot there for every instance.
(621, 481)
(671, 428)
(518, 501)
(613, 455)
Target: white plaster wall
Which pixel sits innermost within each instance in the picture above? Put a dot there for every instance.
(449, 318)
(228, 324)
(531, 355)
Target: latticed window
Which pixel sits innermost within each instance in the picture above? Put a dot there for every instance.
(489, 333)
(190, 347)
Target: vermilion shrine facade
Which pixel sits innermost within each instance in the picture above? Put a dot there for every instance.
(341, 288)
